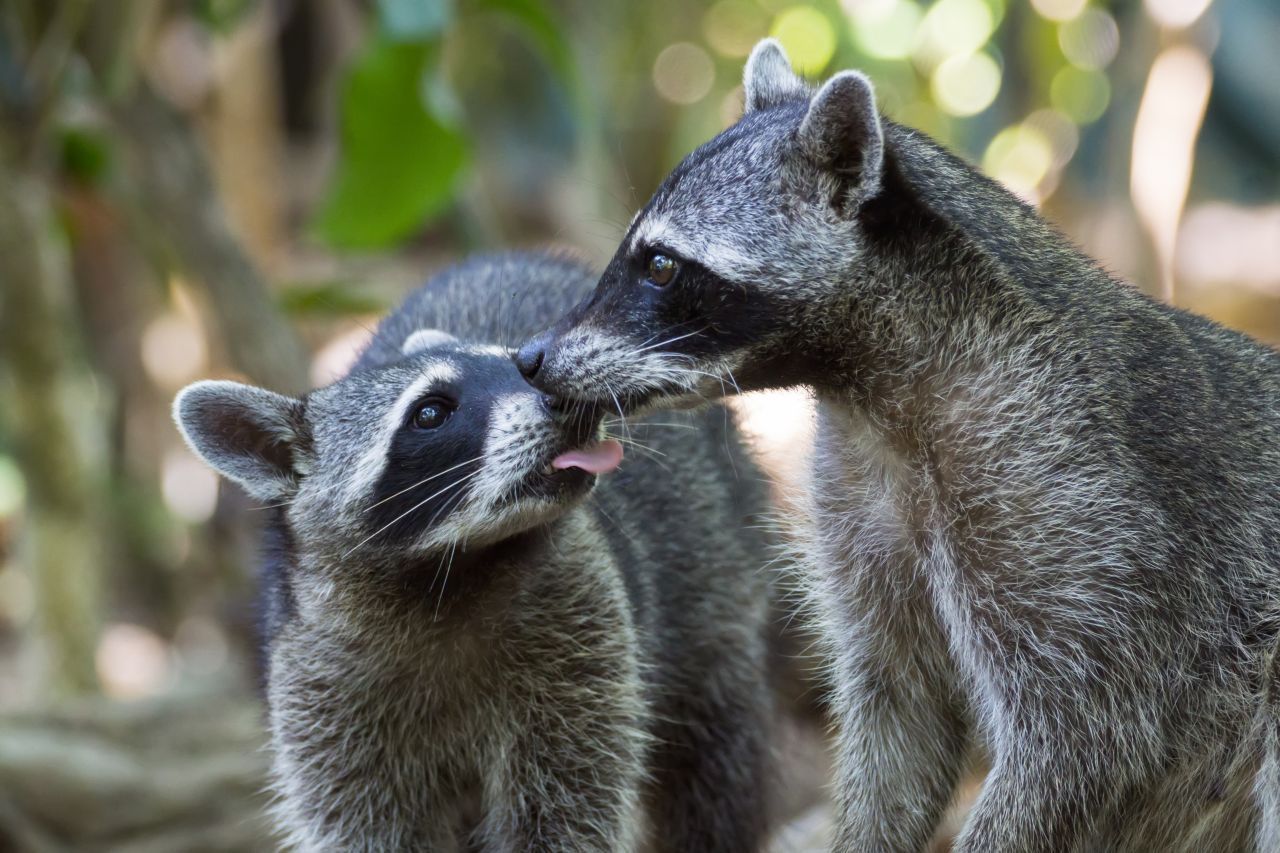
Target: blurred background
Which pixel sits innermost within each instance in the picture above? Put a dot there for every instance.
(230, 188)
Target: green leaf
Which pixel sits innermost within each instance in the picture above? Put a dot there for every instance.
(399, 163)
(414, 20)
(85, 154)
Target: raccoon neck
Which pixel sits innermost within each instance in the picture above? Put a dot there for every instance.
(425, 596)
(961, 279)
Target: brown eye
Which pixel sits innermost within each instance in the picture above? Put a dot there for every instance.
(662, 269)
(432, 413)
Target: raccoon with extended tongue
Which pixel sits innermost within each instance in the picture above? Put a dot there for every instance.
(470, 647)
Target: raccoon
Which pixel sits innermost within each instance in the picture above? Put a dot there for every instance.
(473, 644)
(1045, 509)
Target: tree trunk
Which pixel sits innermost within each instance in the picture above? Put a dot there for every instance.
(53, 408)
(177, 199)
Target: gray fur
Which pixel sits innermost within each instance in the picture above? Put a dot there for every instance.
(234, 427)
(1045, 508)
(580, 671)
(768, 79)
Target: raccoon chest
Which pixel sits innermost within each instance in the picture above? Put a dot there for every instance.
(880, 544)
(869, 499)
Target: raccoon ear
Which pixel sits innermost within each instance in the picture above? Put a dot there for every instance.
(842, 134)
(246, 434)
(768, 80)
(425, 339)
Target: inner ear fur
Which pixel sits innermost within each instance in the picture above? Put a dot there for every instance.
(249, 435)
(842, 134)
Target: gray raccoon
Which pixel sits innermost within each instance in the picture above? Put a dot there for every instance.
(1045, 508)
(474, 646)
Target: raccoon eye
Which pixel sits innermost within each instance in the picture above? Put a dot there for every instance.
(432, 413)
(661, 269)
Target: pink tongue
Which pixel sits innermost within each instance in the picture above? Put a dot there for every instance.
(599, 458)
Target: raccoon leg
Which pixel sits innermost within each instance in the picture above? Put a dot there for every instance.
(709, 789)
(1040, 803)
(901, 751)
(1266, 787)
(902, 740)
(1267, 794)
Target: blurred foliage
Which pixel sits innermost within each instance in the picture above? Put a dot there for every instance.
(1019, 87)
(403, 151)
(239, 187)
(329, 299)
(400, 162)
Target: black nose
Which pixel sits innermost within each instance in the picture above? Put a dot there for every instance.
(529, 358)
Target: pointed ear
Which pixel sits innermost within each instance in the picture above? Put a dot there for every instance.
(425, 339)
(246, 434)
(768, 80)
(842, 134)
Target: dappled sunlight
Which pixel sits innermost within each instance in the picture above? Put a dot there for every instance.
(132, 662)
(189, 487)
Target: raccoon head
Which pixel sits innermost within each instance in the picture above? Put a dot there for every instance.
(447, 447)
(723, 278)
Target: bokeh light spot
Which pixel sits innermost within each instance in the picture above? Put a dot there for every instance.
(1059, 10)
(1062, 133)
(732, 27)
(807, 36)
(683, 73)
(132, 662)
(924, 115)
(173, 350)
(954, 28)
(189, 487)
(966, 85)
(868, 10)
(1080, 94)
(1176, 14)
(1091, 40)
(13, 491)
(1019, 157)
(885, 31)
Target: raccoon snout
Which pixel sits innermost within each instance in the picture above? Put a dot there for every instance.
(529, 358)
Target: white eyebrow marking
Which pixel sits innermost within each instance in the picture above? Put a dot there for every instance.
(371, 463)
(425, 338)
(489, 349)
(651, 232)
(723, 259)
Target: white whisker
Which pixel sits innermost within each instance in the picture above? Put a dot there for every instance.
(423, 481)
(671, 340)
(409, 511)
